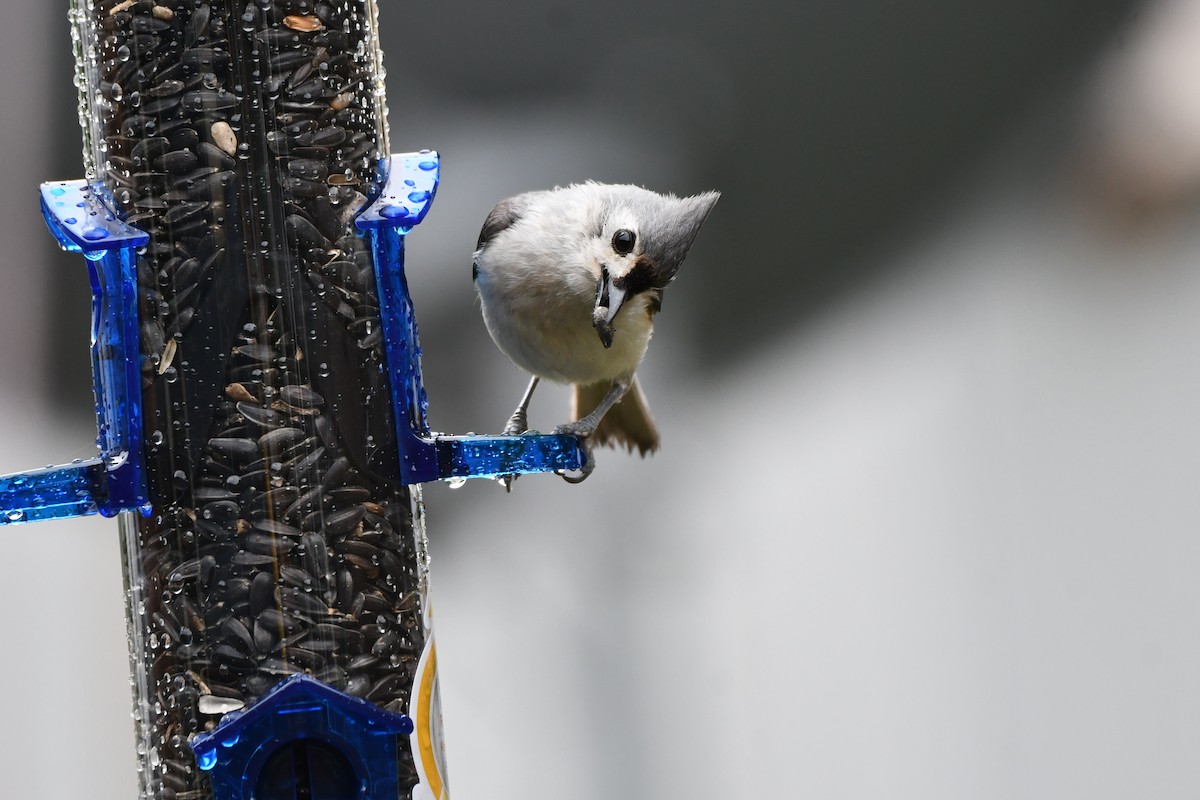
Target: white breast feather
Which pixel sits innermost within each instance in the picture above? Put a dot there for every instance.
(537, 292)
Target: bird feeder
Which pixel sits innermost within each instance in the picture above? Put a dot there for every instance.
(262, 422)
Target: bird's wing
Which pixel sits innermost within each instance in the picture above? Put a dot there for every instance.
(502, 216)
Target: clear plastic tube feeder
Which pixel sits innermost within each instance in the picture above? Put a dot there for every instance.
(262, 422)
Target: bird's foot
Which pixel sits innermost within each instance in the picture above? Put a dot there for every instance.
(517, 424)
(581, 428)
(584, 431)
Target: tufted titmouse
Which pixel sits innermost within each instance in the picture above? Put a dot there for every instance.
(570, 280)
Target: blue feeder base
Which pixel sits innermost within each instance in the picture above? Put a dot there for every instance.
(304, 739)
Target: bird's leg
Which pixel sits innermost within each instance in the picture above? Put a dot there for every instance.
(518, 423)
(584, 428)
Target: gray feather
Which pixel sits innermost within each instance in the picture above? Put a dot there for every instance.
(670, 228)
(667, 225)
(503, 215)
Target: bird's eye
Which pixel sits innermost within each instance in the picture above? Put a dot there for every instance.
(623, 241)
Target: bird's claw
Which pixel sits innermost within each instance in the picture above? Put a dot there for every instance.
(584, 433)
(580, 478)
(517, 424)
(578, 428)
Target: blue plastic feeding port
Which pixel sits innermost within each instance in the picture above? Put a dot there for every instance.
(83, 223)
(408, 190)
(303, 739)
(115, 480)
(411, 184)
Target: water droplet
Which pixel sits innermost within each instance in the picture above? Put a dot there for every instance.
(392, 211)
(58, 191)
(16, 515)
(418, 197)
(456, 483)
(95, 234)
(70, 220)
(427, 165)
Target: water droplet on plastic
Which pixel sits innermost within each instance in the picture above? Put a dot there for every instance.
(456, 483)
(427, 165)
(16, 515)
(418, 197)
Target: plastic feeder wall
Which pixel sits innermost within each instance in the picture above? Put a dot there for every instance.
(262, 421)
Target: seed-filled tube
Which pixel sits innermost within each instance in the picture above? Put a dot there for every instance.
(244, 136)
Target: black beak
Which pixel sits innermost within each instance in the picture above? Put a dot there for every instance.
(609, 299)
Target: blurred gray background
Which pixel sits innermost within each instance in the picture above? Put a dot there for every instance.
(924, 524)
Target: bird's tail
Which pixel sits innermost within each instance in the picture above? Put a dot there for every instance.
(627, 423)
